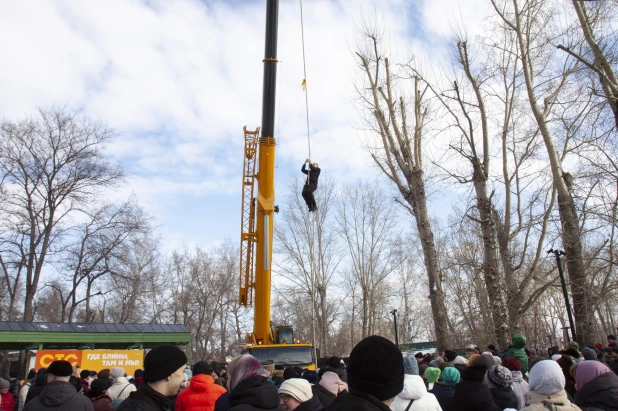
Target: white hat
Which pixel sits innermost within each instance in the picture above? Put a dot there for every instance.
(116, 372)
(299, 388)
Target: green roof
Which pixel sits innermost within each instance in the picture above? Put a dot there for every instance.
(21, 335)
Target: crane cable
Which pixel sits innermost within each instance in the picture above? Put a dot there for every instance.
(304, 83)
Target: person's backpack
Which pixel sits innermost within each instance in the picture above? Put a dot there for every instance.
(116, 401)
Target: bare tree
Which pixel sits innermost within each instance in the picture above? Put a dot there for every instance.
(51, 165)
(399, 154)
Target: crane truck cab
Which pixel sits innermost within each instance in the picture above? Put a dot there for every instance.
(284, 351)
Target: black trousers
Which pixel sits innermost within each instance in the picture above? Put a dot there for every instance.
(308, 190)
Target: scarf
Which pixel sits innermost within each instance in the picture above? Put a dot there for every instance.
(587, 371)
(244, 367)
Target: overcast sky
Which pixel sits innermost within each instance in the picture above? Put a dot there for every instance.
(178, 80)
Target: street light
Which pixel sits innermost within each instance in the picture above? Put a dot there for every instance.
(559, 253)
(394, 314)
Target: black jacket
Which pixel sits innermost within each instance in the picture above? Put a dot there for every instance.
(602, 393)
(313, 404)
(472, 396)
(40, 381)
(505, 397)
(254, 394)
(443, 393)
(324, 396)
(145, 399)
(357, 401)
(60, 396)
(313, 176)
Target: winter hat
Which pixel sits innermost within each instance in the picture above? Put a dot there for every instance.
(60, 368)
(432, 374)
(546, 377)
(5, 384)
(243, 367)
(376, 368)
(98, 385)
(512, 364)
(118, 372)
(588, 371)
(599, 346)
(450, 355)
(497, 360)
(573, 353)
(472, 359)
(419, 355)
(474, 373)
(410, 366)
(162, 361)
(311, 376)
(290, 372)
(486, 360)
(84, 374)
(334, 362)
(202, 367)
(460, 360)
(298, 388)
(556, 357)
(436, 362)
(450, 376)
(498, 377)
(333, 383)
(589, 354)
(532, 351)
(573, 345)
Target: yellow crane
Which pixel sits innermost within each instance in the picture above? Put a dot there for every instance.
(266, 343)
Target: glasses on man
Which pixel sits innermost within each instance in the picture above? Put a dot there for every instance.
(284, 397)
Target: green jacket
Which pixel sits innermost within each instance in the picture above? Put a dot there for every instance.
(516, 350)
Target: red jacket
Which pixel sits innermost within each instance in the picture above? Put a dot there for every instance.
(200, 395)
(7, 402)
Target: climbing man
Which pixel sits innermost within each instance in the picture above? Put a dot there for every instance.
(311, 184)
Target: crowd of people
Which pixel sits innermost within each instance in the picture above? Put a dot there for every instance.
(377, 377)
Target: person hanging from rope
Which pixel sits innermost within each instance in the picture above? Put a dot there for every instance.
(311, 184)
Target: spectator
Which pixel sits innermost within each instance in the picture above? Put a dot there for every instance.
(40, 381)
(597, 386)
(74, 378)
(547, 389)
(450, 355)
(104, 375)
(310, 376)
(566, 363)
(611, 341)
(519, 385)
(471, 394)
(121, 387)
(460, 360)
(15, 386)
(432, 374)
(59, 394)
(23, 393)
(296, 394)
(492, 349)
(84, 375)
(375, 376)
(290, 372)
(335, 365)
(499, 380)
(139, 377)
(516, 350)
(100, 400)
(6, 398)
(202, 393)
(589, 354)
(414, 396)
(329, 388)
(472, 359)
(164, 368)
(445, 390)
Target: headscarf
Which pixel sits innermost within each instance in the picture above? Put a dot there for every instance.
(588, 371)
(243, 367)
(460, 360)
(333, 383)
(546, 377)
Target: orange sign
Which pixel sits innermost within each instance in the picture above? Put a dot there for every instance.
(93, 360)
(46, 357)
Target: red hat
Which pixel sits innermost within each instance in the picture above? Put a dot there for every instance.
(599, 346)
(512, 364)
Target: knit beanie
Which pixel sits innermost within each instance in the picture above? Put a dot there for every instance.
(410, 366)
(589, 354)
(450, 355)
(60, 368)
(573, 345)
(588, 371)
(419, 355)
(311, 376)
(334, 362)
(498, 377)
(460, 360)
(546, 377)
(376, 368)
(162, 361)
(436, 362)
(450, 376)
(432, 374)
(290, 372)
(99, 385)
(486, 360)
(118, 372)
(333, 383)
(5, 384)
(298, 388)
(202, 367)
(474, 373)
(497, 360)
(512, 364)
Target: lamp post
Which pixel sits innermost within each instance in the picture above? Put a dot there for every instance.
(559, 253)
(394, 314)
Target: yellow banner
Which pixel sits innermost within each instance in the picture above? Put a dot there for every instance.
(96, 360)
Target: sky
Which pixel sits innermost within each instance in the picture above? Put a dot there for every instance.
(178, 80)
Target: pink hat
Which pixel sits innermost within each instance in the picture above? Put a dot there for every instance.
(587, 371)
(332, 383)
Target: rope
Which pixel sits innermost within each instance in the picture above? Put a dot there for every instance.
(302, 33)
